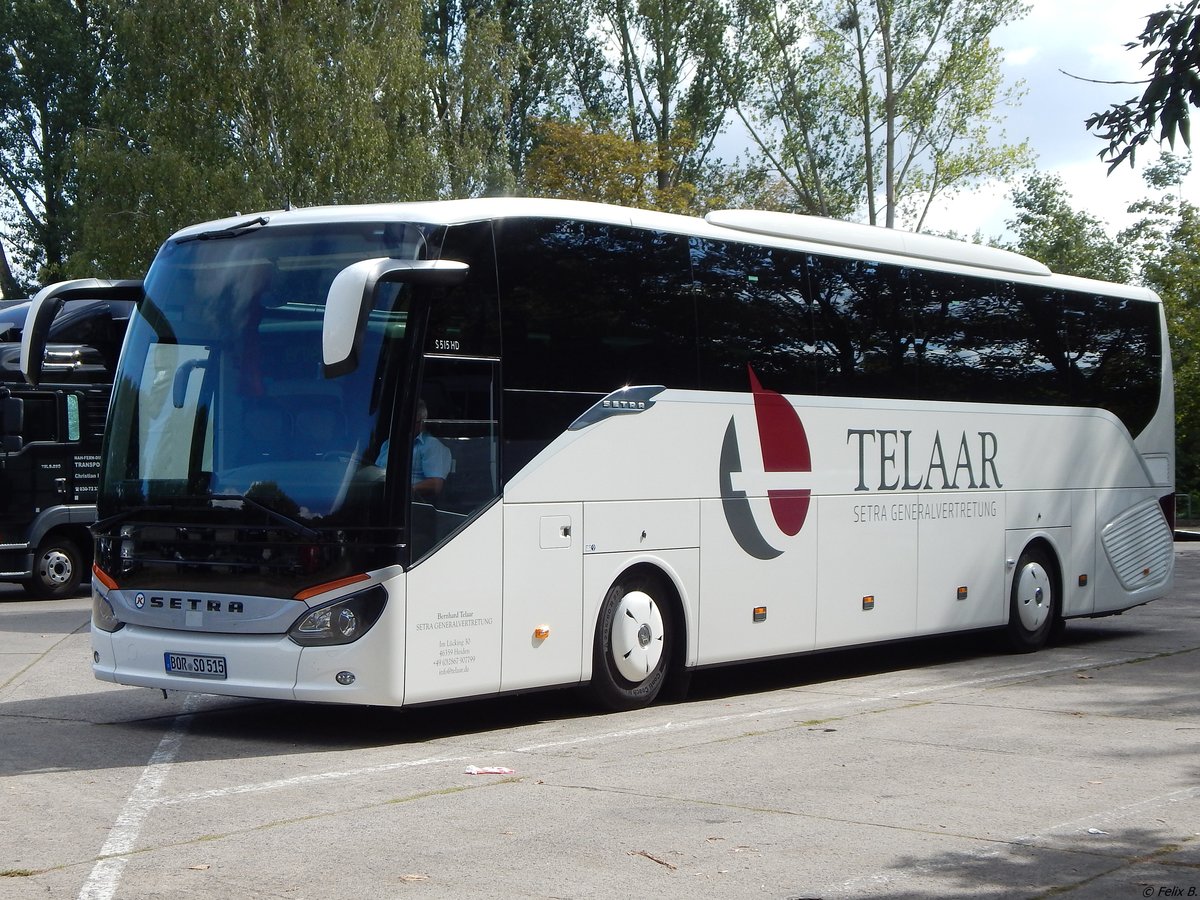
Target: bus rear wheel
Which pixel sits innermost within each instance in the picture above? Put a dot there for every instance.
(1033, 607)
(633, 646)
(57, 570)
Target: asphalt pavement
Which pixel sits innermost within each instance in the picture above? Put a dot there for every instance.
(935, 768)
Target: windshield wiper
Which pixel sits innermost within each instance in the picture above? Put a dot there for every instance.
(104, 525)
(291, 524)
(99, 529)
(237, 229)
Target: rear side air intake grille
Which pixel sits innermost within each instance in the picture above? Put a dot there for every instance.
(1140, 546)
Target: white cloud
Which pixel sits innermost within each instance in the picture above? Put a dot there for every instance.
(1087, 39)
(1020, 57)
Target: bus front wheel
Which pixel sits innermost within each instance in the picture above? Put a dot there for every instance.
(1033, 606)
(632, 651)
(57, 569)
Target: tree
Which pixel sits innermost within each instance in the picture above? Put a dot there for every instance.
(576, 162)
(1167, 244)
(557, 71)
(1069, 241)
(876, 106)
(794, 113)
(50, 64)
(221, 106)
(471, 66)
(669, 55)
(1171, 89)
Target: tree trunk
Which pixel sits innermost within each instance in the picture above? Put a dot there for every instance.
(9, 289)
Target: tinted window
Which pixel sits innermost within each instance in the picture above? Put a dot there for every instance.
(41, 419)
(586, 309)
(753, 310)
(1115, 353)
(460, 396)
(865, 336)
(464, 319)
(591, 308)
(989, 341)
(985, 341)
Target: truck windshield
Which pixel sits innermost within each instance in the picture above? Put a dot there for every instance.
(220, 400)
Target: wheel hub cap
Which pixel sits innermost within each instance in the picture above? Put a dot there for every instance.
(56, 568)
(1033, 597)
(637, 636)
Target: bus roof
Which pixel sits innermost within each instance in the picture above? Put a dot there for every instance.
(807, 233)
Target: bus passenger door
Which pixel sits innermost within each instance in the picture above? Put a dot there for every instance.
(543, 584)
(454, 619)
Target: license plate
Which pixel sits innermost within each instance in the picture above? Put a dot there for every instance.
(195, 665)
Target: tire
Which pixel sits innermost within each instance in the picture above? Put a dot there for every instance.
(57, 570)
(634, 644)
(1034, 604)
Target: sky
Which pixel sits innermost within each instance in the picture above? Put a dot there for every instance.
(1085, 38)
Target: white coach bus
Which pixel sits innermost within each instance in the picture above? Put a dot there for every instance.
(665, 443)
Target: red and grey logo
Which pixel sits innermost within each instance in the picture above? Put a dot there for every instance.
(783, 477)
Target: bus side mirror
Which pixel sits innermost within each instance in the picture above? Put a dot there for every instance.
(12, 418)
(352, 296)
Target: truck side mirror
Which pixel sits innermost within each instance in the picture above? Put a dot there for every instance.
(45, 306)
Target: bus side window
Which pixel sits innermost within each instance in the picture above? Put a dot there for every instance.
(591, 308)
(866, 335)
(753, 310)
(587, 308)
(1116, 355)
(973, 339)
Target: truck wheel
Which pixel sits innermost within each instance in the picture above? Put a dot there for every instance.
(57, 570)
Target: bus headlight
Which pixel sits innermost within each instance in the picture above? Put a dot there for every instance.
(340, 622)
(103, 617)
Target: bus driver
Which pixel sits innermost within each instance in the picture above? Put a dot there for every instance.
(431, 460)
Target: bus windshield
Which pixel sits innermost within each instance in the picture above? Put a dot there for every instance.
(220, 398)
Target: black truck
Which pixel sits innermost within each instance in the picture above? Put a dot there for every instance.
(51, 434)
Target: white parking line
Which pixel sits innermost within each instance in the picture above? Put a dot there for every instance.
(105, 877)
(300, 780)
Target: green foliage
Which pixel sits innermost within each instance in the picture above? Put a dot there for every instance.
(471, 63)
(219, 107)
(556, 70)
(668, 59)
(874, 107)
(1070, 242)
(784, 72)
(1172, 88)
(575, 162)
(189, 110)
(51, 54)
(1166, 241)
